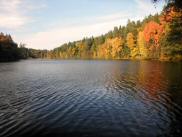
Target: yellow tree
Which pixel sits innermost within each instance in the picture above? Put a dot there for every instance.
(102, 51)
(105, 49)
(130, 41)
(81, 49)
(111, 48)
(141, 44)
(131, 44)
(117, 44)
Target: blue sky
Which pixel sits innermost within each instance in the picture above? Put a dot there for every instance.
(46, 24)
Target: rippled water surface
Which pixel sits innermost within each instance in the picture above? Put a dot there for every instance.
(90, 98)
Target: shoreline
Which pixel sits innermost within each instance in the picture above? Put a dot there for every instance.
(121, 59)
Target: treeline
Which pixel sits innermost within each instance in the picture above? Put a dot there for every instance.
(10, 51)
(156, 37)
(118, 43)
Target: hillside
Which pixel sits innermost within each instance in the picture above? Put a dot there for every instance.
(156, 37)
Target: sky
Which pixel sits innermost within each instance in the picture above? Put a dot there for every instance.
(46, 24)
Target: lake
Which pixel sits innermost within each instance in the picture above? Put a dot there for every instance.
(90, 98)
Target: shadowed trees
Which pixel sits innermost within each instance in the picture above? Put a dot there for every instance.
(8, 48)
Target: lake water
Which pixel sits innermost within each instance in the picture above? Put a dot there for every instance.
(82, 98)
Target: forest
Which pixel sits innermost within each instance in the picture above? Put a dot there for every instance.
(11, 51)
(157, 36)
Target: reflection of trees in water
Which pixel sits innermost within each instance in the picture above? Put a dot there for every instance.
(163, 83)
(122, 77)
(140, 98)
(173, 72)
(151, 78)
(156, 84)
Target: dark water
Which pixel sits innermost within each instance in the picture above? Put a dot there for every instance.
(90, 98)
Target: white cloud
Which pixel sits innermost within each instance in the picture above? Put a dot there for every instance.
(12, 22)
(60, 34)
(13, 13)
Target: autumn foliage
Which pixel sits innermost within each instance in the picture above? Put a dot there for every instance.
(156, 37)
(135, 40)
(152, 32)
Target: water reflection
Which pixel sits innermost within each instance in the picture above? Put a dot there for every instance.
(90, 98)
